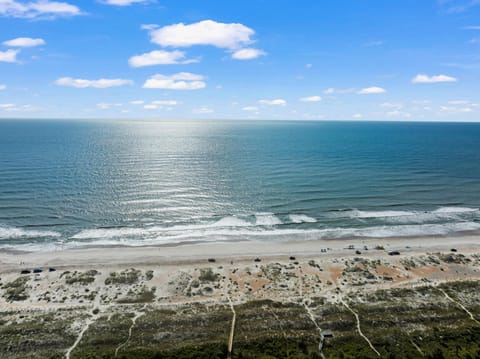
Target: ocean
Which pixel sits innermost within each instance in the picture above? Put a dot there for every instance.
(70, 184)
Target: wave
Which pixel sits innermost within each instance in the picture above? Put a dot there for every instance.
(109, 233)
(301, 218)
(267, 219)
(455, 210)
(15, 233)
(437, 215)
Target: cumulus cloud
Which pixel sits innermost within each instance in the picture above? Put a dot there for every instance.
(179, 81)
(311, 99)
(108, 106)
(2, 87)
(371, 90)
(37, 9)
(123, 2)
(276, 102)
(137, 102)
(250, 108)
(453, 109)
(357, 115)
(248, 54)
(24, 42)
(8, 56)
(160, 57)
(425, 79)
(202, 110)
(331, 91)
(100, 83)
(11, 107)
(165, 102)
(208, 32)
(391, 105)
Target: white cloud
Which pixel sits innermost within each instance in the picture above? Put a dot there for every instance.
(250, 108)
(160, 57)
(308, 66)
(208, 32)
(371, 90)
(202, 110)
(474, 27)
(2, 87)
(38, 8)
(24, 42)
(248, 54)
(331, 91)
(179, 81)
(123, 2)
(107, 106)
(82, 83)
(166, 102)
(425, 79)
(150, 107)
(6, 106)
(357, 115)
(9, 55)
(458, 102)
(311, 99)
(137, 102)
(11, 107)
(452, 109)
(397, 113)
(391, 105)
(276, 102)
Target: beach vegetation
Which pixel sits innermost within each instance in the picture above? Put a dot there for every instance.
(125, 277)
(17, 289)
(83, 278)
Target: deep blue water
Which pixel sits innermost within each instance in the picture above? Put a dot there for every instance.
(74, 183)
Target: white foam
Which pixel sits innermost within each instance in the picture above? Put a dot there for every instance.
(267, 219)
(109, 233)
(13, 233)
(231, 221)
(301, 218)
(455, 210)
(378, 214)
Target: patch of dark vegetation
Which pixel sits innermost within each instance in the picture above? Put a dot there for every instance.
(128, 276)
(16, 290)
(144, 295)
(207, 275)
(82, 278)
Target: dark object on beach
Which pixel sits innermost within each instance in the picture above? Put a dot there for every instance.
(323, 250)
(25, 271)
(365, 248)
(351, 246)
(358, 252)
(51, 269)
(292, 258)
(394, 253)
(38, 270)
(211, 260)
(327, 333)
(453, 250)
(257, 260)
(296, 263)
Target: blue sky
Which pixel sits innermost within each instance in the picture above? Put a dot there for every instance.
(250, 59)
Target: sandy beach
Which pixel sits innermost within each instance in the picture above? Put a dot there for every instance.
(315, 279)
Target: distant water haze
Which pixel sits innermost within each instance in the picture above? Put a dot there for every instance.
(67, 184)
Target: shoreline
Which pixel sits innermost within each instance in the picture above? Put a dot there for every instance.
(226, 251)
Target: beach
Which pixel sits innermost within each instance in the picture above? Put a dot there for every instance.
(139, 281)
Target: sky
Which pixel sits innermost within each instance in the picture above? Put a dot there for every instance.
(365, 60)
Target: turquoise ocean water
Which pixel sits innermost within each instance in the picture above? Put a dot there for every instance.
(67, 184)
